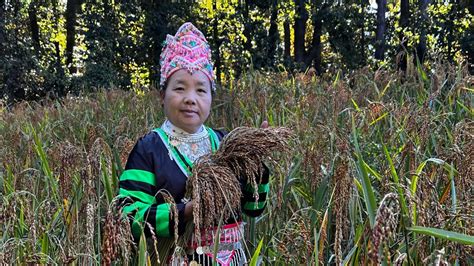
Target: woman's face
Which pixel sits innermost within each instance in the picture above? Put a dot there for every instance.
(187, 99)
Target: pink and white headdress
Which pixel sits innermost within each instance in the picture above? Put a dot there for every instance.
(189, 50)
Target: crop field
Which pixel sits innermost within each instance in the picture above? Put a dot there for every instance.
(380, 172)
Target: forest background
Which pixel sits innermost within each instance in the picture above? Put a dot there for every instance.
(51, 47)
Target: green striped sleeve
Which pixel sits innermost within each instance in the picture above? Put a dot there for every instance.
(162, 220)
(138, 205)
(254, 205)
(138, 175)
(144, 197)
(262, 188)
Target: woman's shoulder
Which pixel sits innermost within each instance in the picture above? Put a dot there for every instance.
(149, 141)
(220, 132)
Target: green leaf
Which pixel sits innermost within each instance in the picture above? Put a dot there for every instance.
(419, 169)
(254, 260)
(444, 234)
(142, 250)
(369, 196)
(396, 180)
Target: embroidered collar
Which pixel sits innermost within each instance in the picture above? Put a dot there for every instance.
(183, 136)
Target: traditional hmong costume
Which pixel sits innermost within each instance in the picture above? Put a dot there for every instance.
(162, 160)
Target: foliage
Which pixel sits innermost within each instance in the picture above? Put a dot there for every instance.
(379, 173)
(118, 43)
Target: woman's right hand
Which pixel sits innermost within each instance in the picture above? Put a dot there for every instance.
(188, 211)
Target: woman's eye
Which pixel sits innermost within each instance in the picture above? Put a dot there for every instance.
(202, 90)
(179, 89)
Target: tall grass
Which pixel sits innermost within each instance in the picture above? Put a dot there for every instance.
(382, 170)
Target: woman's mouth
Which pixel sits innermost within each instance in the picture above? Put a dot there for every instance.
(189, 112)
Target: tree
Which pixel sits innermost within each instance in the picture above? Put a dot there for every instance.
(72, 8)
(273, 33)
(301, 16)
(315, 51)
(217, 60)
(34, 29)
(379, 36)
(421, 47)
(2, 26)
(404, 23)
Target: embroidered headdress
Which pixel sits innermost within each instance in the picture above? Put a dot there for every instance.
(189, 50)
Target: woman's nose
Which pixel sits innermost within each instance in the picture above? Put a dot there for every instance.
(190, 99)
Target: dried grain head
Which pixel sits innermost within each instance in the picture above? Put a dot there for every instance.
(123, 126)
(245, 149)
(71, 159)
(342, 192)
(385, 226)
(117, 240)
(123, 145)
(215, 183)
(215, 191)
(99, 156)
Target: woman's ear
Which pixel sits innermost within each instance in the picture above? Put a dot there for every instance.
(162, 97)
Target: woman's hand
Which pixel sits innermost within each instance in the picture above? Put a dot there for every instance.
(264, 124)
(188, 211)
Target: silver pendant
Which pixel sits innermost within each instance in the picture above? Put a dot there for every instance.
(199, 250)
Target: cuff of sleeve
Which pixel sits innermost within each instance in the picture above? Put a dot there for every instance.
(265, 175)
(181, 222)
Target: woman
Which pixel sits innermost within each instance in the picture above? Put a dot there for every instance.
(163, 158)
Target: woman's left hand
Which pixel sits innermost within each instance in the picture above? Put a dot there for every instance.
(264, 124)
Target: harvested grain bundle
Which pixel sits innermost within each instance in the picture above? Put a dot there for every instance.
(212, 187)
(215, 184)
(244, 150)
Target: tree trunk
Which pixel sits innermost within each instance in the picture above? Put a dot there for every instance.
(215, 34)
(421, 47)
(315, 51)
(273, 34)
(34, 28)
(72, 7)
(379, 37)
(404, 22)
(301, 17)
(247, 28)
(2, 27)
(287, 40)
(362, 36)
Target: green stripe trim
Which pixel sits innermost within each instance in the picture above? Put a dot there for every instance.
(163, 220)
(213, 139)
(173, 150)
(138, 205)
(143, 196)
(138, 175)
(251, 206)
(262, 188)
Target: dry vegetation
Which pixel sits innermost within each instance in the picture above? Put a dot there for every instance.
(382, 163)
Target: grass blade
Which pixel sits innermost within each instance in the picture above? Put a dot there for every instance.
(254, 260)
(444, 234)
(369, 196)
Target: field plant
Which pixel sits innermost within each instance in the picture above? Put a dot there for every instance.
(381, 170)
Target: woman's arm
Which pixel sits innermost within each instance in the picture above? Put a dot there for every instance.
(251, 206)
(137, 196)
